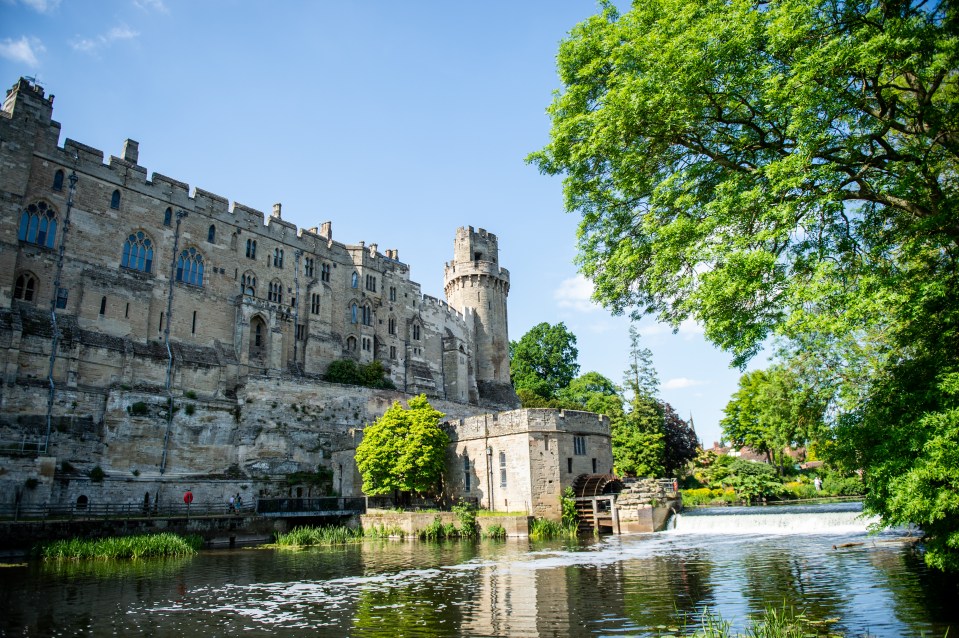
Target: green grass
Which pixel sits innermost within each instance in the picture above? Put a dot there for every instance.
(542, 529)
(328, 535)
(487, 513)
(784, 622)
(121, 547)
(495, 531)
(383, 531)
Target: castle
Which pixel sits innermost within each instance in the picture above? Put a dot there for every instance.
(124, 299)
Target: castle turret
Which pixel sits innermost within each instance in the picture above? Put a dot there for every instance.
(476, 286)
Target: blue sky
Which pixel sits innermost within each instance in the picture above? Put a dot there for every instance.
(397, 121)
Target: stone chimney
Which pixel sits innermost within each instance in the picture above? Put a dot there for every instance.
(276, 211)
(131, 151)
(326, 230)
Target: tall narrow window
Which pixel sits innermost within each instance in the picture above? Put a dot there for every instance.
(278, 257)
(189, 267)
(392, 352)
(579, 445)
(371, 283)
(211, 234)
(25, 288)
(138, 252)
(391, 326)
(353, 311)
(160, 327)
(355, 281)
(58, 180)
(392, 293)
(38, 225)
(308, 266)
(351, 343)
(502, 469)
(466, 474)
(325, 272)
(315, 304)
(115, 200)
(168, 217)
(62, 298)
(275, 292)
(416, 332)
(258, 334)
(251, 248)
(569, 465)
(248, 284)
(193, 327)
(103, 306)
(594, 466)
(300, 332)
(126, 313)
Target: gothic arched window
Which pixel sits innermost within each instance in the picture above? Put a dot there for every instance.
(275, 293)
(115, 200)
(25, 288)
(211, 234)
(38, 225)
(248, 284)
(138, 252)
(355, 282)
(353, 311)
(58, 180)
(189, 267)
(168, 217)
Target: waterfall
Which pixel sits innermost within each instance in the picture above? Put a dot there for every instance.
(796, 519)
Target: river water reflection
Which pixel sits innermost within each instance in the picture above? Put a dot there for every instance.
(639, 585)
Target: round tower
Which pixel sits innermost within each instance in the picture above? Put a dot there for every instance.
(476, 286)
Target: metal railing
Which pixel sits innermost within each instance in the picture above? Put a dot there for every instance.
(305, 506)
(81, 511)
(23, 447)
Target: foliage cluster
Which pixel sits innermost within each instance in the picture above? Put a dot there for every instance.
(121, 547)
(784, 622)
(542, 529)
(347, 371)
(723, 479)
(496, 531)
(649, 438)
(324, 535)
(787, 170)
(404, 450)
(466, 514)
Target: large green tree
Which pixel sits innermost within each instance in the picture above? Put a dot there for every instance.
(543, 361)
(773, 411)
(404, 450)
(786, 168)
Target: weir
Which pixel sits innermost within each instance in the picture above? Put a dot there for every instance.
(784, 519)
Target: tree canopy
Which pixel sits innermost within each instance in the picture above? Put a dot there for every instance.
(773, 411)
(543, 361)
(785, 169)
(404, 450)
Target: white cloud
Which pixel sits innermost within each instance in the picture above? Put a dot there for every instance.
(24, 50)
(680, 383)
(42, 6)
(90, 45)
(575, 293)
(151, 5)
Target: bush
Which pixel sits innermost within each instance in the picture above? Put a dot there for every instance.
(835, 485)
(371, 375)
(753, 480)
(466, 513)
(189, 409)
(495, 531)
(799, 490)
(97, 474)
(568, 501)
(190, 394)
(138, 409)
(435, 531)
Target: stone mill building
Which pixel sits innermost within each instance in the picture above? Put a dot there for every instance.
(123, 293)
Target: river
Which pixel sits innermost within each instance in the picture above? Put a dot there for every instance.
(734, 561)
